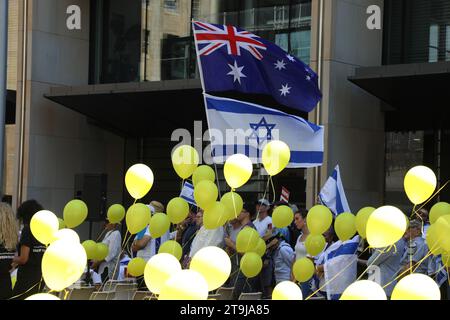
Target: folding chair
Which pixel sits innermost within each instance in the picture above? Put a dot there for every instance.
(142, 295)
(102, 295)
(83, 293)
(250, 296)
(125, 291)
(225, 293)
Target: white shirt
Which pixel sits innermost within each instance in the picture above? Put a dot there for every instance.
(207, 238)
(300, 249)
(150, 249)
(113, 240)
(262, 225)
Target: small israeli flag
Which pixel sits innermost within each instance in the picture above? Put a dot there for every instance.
(187, 193)
(332, 194)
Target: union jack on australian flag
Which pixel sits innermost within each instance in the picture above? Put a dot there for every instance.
(232, 59)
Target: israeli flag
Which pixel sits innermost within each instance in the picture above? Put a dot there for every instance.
(187, 193)
(332, 194)
(241, 127)
(441, 271)
(340, 267)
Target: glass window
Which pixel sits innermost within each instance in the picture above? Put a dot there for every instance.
(171, 5)
(447, 43)
(434, 43)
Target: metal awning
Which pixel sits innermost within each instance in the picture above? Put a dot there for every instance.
(407, 86)
(416, 96)
(145, 109)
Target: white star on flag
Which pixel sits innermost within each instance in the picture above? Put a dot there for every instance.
(280, 65)
(291, 58)
(236, 72)
(285, 89)
(308, 78)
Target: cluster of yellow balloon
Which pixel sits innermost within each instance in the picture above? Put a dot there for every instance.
(95, 251)
(139, 180)
(44, 224)
(237, 170)
(385, 226)
(282, 216)
(64, 260)
(233, 203)
(116, 213)
(185, 160)
(136, 267)
(75, 212)
(173, 248)
(287, 290)
(345, 226)
(319, 220)
(275, 157)
(177, 210)
(138, 217)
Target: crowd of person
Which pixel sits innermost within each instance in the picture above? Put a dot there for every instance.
(337, 266)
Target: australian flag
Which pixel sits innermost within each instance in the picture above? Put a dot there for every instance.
(232, 59)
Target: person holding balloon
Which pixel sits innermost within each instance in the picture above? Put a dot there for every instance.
(9, 237)
(29, 273)
(108, 268)
(416, 250)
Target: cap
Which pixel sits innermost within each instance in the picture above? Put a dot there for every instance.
(264, 202)
(415, 224)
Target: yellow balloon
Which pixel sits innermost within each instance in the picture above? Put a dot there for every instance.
(319, 219)
(386, 225)
(66, 234)
(136, 267)
(361, 220)
(275, 157)
(247, 240)
(63, 264)
(303, 269)
(75, 212)
(43, 296)
(159, 225)
(101, 251)
(138, 217)
(282, 216)
(177, 210)
(443, 232)
(139, 180)
(260, 247)
(171, 247)
(237, 170)
(234, 204)
(213, 264)
(91, 248)
(116, 213)
(205, 193)
(438, 210)
(433, 240)
(185, 160)
(364, 290)
(420, 183)
(159, 269)
(62, 224)
(315, 244)
(185, 285)
(416, 286)
(13, 281)
(287, 290)
(446, 259)
(344, 225)
(251, 264)
(44, 224)
(203, 173)
(215, 216)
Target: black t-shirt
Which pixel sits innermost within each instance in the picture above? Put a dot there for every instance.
(6, 257)
(37, 249)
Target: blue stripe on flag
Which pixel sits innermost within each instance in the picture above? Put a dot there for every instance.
(296, 156)
(348, 248)
(232, 106)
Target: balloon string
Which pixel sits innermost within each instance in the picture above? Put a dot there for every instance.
(434, 195)
(338, 274)
(273, 189)
(264, 196)
(31, 288)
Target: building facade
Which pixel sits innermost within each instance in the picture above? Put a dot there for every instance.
(92, 102)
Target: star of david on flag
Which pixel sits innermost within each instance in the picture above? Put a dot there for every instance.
(246, 128)
(232, 59)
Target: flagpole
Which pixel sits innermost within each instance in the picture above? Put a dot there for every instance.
(200, 69)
